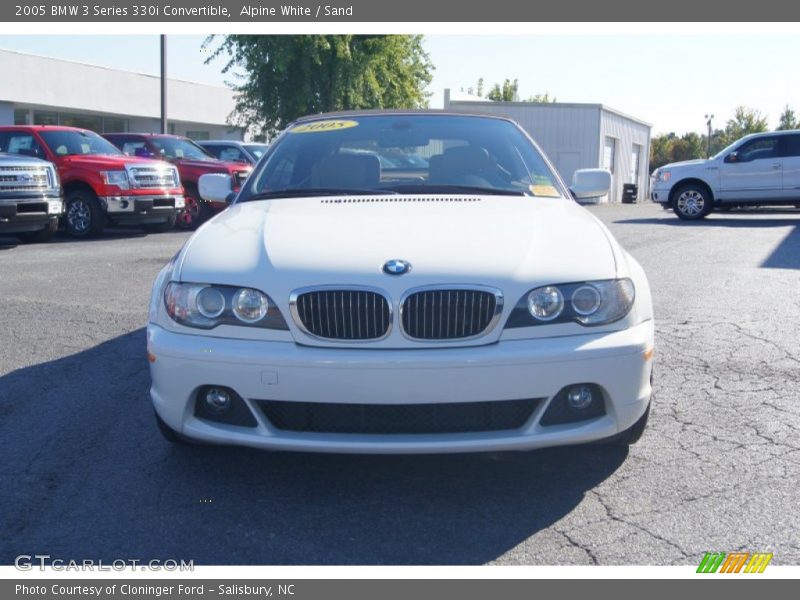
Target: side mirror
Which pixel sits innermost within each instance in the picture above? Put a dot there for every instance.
(216, 187)
(732, 157)
(590, 183)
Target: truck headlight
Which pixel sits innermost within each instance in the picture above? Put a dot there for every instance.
(206, 306)
(663, 176)
(117, 178)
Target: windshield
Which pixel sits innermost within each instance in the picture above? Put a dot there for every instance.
(78, 143)
(404, 154)
(177, 148)
(257, 150)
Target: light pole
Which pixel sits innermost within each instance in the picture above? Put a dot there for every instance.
(163, 84)
(708, 145)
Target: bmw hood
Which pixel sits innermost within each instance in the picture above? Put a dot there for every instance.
(512, 243)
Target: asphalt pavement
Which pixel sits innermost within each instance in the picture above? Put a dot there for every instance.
(85, 474)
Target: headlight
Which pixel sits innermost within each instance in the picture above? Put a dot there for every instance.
(176, 178)
(206, 306)
(117, 178)
(663, 176)
(546, 304)
(250, 306)
(588, 303)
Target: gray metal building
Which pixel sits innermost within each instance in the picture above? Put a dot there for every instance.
(579, 136)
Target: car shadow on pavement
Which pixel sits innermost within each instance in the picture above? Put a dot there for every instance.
(785, 255)
(92, 478)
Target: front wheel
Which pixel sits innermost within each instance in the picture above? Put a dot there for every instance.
(84, 218)
(41, 236)
(692, 202)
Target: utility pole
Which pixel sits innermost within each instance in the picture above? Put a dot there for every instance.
(708, 145)
(163, 84)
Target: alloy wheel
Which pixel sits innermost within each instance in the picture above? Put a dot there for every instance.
(79, 215)
(691, 203)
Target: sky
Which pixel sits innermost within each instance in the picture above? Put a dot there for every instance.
(670, 81)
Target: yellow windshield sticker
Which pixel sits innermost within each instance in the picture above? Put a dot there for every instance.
(544, 190)
(321, 126)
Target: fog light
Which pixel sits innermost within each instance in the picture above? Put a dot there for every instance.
(580, 397)
(217, 400)
(124, 204)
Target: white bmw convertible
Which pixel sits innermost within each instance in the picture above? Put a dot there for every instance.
(402, 282)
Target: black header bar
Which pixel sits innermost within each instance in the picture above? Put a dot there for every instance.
(266, 11)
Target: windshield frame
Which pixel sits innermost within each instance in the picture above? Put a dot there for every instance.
(247, 190)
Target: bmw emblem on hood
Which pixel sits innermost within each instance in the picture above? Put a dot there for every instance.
(396, 267)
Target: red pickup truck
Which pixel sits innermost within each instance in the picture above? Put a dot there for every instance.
(191, 160)
(101, 185)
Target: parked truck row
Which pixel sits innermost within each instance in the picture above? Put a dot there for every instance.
(51, 175)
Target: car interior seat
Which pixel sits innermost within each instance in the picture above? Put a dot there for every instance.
(347, 171)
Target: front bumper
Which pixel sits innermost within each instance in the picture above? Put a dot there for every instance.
(660, 193)
(619, 363)
(30, 212)
(142, 209)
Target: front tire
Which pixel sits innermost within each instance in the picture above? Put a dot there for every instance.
(84, 218)
(41, 236)
(195, 212)
(692, 202)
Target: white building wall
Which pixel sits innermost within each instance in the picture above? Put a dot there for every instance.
(30, 81)
(627, 132)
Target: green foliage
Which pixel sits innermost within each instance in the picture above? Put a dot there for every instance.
(669, 148)
(505, 93)
(542, 98)
(788, 120)
(283, 77)
(744, 121)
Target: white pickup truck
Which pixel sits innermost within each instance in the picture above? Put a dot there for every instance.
(759, 169)
(30, 198)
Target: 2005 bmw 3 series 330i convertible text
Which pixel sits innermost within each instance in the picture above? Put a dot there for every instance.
(402, 282)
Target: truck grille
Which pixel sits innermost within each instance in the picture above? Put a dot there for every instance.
(152, 178)
(448, 314)
(343, 314)
(382, 419)
(24, 179)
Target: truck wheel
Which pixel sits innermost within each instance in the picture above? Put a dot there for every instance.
(41, 236)
(84, 218)
(195, 213)
(692, 202)
(161, 227)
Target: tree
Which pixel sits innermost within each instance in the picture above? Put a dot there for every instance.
(542, 98)
(744, 121)
(788, 120)
(506, 93)
(283, 77)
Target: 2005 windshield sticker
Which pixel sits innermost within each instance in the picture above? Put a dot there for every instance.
(323, 126)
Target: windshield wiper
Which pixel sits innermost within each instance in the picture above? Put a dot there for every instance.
(300, 192)
(446, 188)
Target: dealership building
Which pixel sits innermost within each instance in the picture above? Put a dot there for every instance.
(578, 136)
(50, 91)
